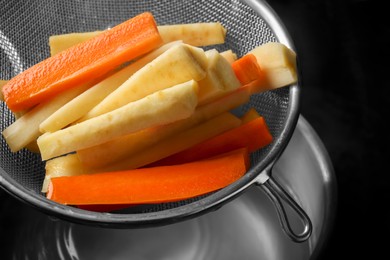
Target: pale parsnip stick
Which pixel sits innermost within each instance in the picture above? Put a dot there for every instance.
(125, 146)
(177, 65)
(278, 63)
(196, 34)
(162, 107)
(62, 42)
(220, 78)
(67, 165)
(229, 55)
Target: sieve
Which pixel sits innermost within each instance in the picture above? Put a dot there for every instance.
(25, 27)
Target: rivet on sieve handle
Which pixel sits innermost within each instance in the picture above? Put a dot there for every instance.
(276, 193)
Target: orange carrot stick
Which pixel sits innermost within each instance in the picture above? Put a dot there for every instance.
(250, 115)
(82, 62)
(248, 70)
(151, 185)
(253, 135)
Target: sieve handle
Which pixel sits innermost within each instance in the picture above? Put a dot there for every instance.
(276, 193)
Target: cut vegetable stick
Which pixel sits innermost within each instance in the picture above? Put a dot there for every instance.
(220, 78)
(124, 146)
(249, 116)
(58, 43)
(70, 164)
(58, 166)
(67, 165)
(33, 147)
(177, 143)
(26, 128)
(2, 83)
(162, 107)
(252, 135)
(82, 62)
(229, 55)
(197, 34)
(16, 114)
(179, 64)
(278, 64)
(151, 185)
(79, 106)
(248, 70)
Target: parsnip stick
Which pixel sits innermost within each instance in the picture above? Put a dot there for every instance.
(68, 165)
(79, 106)
(220, 78)
(125, 146)
(229, 55)
(162, 107)
(196, 34)
(71, 165)
(26, 129)
(177, 65)
(278, 63)
(62, 42)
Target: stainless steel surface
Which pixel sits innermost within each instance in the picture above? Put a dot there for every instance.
(25, 28)
(246, 228)
(282, 199)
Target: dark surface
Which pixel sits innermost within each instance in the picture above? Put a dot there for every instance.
(343, 49)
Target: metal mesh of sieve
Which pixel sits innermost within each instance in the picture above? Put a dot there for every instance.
(24, 31)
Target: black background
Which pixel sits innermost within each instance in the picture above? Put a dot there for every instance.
(343, 49)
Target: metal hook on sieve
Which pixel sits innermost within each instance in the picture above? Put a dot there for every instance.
(276, 193)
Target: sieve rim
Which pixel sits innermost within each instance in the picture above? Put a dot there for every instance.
(193, 209)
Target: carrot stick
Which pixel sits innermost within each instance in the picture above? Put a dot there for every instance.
(253, 135)
(249, 116)
(248, 70)
(151, 185)
(82, 62)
